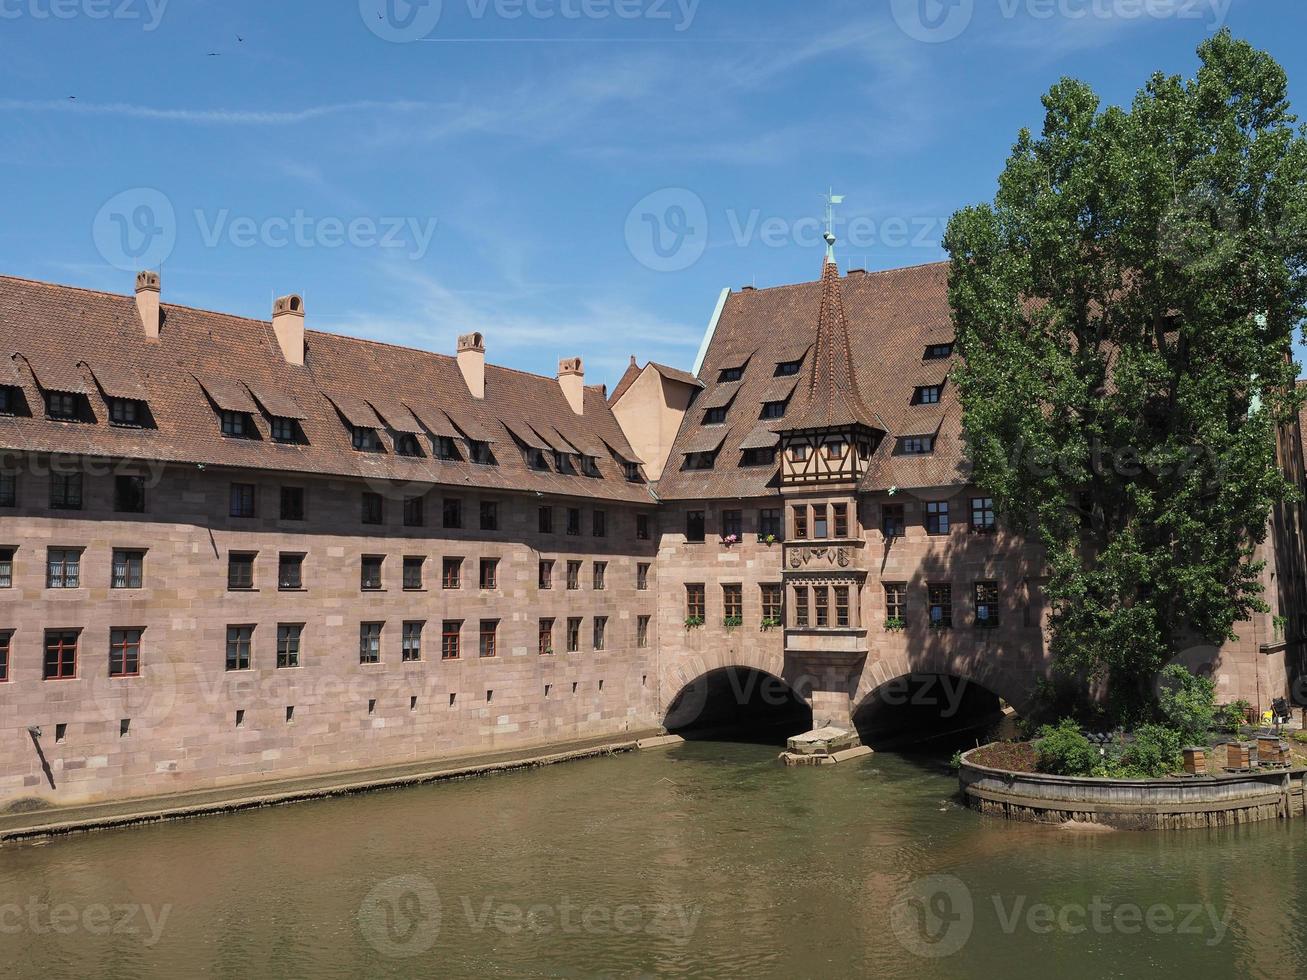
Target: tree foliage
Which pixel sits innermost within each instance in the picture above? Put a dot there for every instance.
(1125, 310)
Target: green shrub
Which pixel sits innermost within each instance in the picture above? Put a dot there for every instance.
(1187, 703)
(1229, 717)
(1064, 751)
(1154, 752)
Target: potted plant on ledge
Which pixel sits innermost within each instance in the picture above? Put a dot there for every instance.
(895, 624)
(693, 622)
(732, 623)
(730, 540)
(770, 623)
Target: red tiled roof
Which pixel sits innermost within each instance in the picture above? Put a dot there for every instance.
(891, 318)
(58, 327)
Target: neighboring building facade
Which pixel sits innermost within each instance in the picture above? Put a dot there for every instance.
(234, 550)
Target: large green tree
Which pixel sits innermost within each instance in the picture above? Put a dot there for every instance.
(1125, 310)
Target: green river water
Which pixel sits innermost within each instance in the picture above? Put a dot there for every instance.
(703, 860)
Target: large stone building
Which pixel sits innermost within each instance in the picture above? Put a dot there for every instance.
(234, 550)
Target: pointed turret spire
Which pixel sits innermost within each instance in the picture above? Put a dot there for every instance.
(831, 397)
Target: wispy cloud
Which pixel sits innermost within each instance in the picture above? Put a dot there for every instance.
(218, 117)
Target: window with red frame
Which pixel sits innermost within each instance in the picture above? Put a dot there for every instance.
(125, 652)
(450, 632)
(60, 654)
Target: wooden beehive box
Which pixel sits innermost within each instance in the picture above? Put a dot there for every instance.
(1195, 760)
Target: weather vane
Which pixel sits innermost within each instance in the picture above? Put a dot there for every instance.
(832, 199)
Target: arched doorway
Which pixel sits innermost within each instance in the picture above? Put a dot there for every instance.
(921, 708)
(738, 704)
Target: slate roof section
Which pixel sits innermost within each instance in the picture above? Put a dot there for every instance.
(891, 318)
(66, 325)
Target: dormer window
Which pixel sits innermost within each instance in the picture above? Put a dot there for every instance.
(758, 457)
(632, 471)
(61, 406)
(9, 400)
(787, 369)
(700, 461)
(365, 440)
(535, 459)
(938, 352)
(237, 425)
(927, 395)
(773, 410)
(729, 375)
(480, 452)
(126, 412)
(406, 444)
(285, 430)
(563, 462)
(916, 445)
(445, 449)
(589, 466)
(714, 416)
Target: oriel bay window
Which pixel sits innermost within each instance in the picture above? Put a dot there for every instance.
(821, 606)
(840, 515)
(800, 516)
(842, 606)
(986, 605)
(820, 522)
(125, 652)
(801, 619)
(940, 600)
(61, 654)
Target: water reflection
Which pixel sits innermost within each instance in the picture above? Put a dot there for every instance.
(703, 860)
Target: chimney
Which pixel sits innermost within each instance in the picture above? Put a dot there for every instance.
(571, 378)
(147, 302)
(288, 325)
(472, 362)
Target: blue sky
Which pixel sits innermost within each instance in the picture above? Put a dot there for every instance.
(568, 176)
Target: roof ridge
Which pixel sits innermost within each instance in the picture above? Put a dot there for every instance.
(866, 272)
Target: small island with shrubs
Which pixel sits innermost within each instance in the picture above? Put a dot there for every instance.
(1191, 763)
